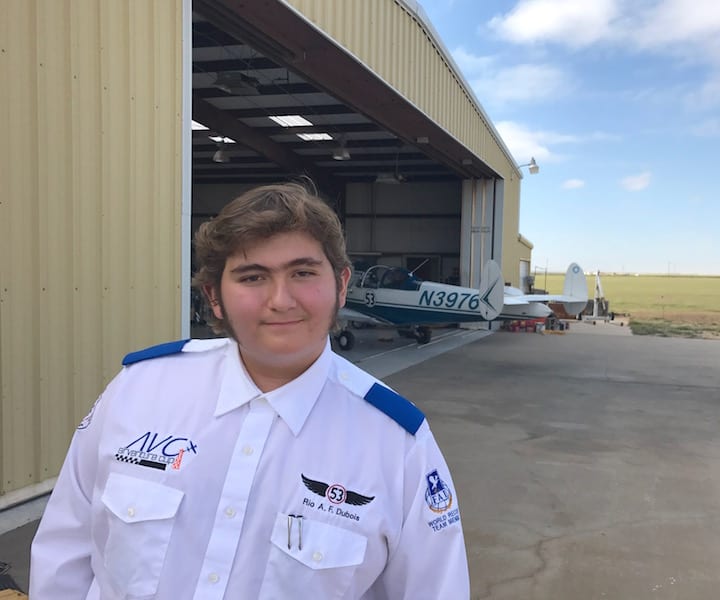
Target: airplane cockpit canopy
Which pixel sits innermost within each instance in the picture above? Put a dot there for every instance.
(394, 278)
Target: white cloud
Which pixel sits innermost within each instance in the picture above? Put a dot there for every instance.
(519, 83)
(635, 183)
(668, 26)
(676, 21)
(525, 143)
(709, 128)
(573, 184)
(689, 33)
(522, 83)
(566, 21)
(471, 64)
(707, 97)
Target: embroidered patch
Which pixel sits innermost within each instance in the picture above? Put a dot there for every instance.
(438, 495)
(336, 493)
(85, 423)
(152, 450)
(133, 460)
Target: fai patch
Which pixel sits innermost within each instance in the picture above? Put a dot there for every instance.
(336, 493)
(437, 494)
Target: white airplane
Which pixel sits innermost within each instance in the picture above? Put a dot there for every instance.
(394, 296)
(519, 305)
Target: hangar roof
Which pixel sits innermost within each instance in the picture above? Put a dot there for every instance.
(253, 61)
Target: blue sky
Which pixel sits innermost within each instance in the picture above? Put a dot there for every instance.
(619, 103)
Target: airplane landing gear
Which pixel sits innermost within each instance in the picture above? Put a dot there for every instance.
(423, 335)
(345, 340)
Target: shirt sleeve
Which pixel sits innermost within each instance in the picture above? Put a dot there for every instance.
(61, 550)
(429, 558)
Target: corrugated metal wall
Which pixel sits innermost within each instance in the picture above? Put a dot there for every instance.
(90, 172)
(513, 251)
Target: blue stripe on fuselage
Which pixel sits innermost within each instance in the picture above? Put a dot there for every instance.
(402, 314)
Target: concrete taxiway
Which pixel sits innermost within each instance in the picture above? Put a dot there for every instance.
(587, 464)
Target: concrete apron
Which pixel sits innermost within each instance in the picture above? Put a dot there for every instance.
(587, 466)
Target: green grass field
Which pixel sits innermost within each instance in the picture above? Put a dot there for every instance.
(677, 305)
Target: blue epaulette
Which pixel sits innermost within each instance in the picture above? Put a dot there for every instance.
(400, 410)
(165, 349)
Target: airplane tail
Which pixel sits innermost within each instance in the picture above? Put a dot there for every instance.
(575, 291)
(492, 291)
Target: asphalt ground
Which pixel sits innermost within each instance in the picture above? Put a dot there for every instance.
(587, 463)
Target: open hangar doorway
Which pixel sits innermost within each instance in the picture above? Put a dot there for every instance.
(261, 116)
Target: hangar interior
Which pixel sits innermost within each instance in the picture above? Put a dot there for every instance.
(95, 207)
(400, 185)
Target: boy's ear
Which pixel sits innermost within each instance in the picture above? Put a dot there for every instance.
(342, 291)
(214, 299)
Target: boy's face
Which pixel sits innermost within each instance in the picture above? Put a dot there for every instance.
(280, 299)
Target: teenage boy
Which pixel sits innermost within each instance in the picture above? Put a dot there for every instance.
(261, 465)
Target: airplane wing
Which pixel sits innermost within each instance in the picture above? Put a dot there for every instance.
(574, 296)
(515, 300)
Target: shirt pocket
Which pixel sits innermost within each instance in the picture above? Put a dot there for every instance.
(323, 568)
(140, 522)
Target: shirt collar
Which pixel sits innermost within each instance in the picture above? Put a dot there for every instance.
(293, 401)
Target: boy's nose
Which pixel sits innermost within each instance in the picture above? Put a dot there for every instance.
(281, 297)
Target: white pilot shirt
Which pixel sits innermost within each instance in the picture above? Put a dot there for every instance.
(186, 481)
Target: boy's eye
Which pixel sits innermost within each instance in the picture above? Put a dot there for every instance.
(250, 279)
(305, 273)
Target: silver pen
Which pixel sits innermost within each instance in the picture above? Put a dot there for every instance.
(290, 526)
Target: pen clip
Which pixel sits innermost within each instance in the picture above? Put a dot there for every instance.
(291, 518)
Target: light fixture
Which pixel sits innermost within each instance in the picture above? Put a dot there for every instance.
(236, 83)
(221, 138)
(314, 137)
(532, 166)
(290, 120)
(221, 155)
(390, 178)
(340, 152)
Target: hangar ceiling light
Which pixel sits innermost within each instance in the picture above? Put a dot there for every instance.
(341, 152)
(221, 155)
(314, 137)
(290, 120)
(224, 140)
(236, 83)
(391, 178)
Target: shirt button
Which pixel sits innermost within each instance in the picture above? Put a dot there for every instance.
(247, 450)
(131, 512)
(213, 578)
(230, 512)
(317, 556)
(344, 376)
